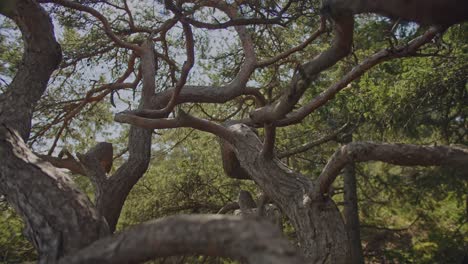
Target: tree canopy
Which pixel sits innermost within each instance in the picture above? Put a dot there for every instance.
(243, 131)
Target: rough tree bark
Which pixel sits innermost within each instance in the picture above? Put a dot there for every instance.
(245, 239)
(39, 192)
(351, 210)
(41, 56)
(59, 218)
(319, 225)
(116, 188)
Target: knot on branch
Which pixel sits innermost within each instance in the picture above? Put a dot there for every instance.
(231, 165)
(260, 209)
(102, 153)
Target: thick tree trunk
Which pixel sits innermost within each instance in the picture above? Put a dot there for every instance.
(318, 222)
(116, 188)
(59, 219)
(351, 212)
(42, 55)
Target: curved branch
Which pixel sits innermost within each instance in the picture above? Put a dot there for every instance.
(397, 154)
(299, 47)
(211, 235)
(42, 55)
(69, 163)
(381, 56)
(105, 23)
(118, 186)
(305, 74)
(38, 192)
(312, 144)
(213, 94)
(428, 12)
(183, 120)
(188, 64)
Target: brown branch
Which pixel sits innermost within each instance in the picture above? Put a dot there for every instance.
(41, 56)
(69, 163)
(269, 142)
(300, 47)
(212, 94)
(87, 55)
(120, 154)
(119, 185)
(105, 23)
(306, 73)
(96, 162)
(74, 107)
(312, 144)
(427, 12)
(188, 64)
(183, 120)
(356, 72)
(397, 154)
(38, 191)
(259, 98)
(57, 136)
(213, 235)
(229, 207)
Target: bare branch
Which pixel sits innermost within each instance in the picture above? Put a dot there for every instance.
(69, 163)
(305, 74)
(213, 235)
(356, 72)
(96, 163)
(42, 55)
(300, 47)
(312, 144)
(212, 94)
(183, 120)
(118, 186)
(269, 142)
(428, 12)
(100, 17)
(188, 64)
(397, 154)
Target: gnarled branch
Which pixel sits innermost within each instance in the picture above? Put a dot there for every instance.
(397, 154)
(213, 235)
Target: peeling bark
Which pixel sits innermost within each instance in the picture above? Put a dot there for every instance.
(319, 225)
(59, 218)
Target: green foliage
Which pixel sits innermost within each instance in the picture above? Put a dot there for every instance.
(14, 248)
(185, 177)
(408, 215)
